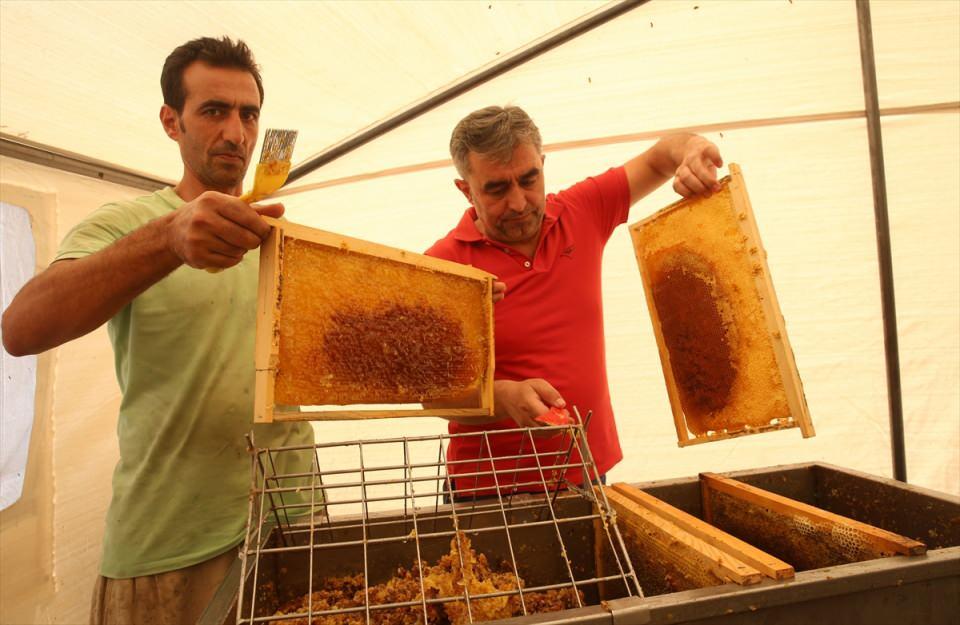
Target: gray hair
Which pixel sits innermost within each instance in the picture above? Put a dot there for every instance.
(494, 132)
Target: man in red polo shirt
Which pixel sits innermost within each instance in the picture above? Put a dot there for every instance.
(547, 249)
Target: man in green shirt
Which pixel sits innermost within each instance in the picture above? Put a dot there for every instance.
(183, 341)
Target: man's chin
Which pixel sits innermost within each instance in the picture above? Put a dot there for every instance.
(520, 233)
(226, 179)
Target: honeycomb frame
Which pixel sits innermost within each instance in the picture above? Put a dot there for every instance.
(802, 534)
(290, 372)
(746, 314)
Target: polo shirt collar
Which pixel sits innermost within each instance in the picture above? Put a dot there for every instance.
(466, 229)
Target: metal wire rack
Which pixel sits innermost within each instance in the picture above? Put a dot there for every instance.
(376, 531)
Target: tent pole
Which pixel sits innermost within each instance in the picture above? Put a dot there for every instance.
(49, 156)
(890, 342)
(461, 86)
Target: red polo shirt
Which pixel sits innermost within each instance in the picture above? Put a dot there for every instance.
(549, 325)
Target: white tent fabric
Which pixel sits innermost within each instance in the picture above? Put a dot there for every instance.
(776, 84)
(735, 67)
(85, 76)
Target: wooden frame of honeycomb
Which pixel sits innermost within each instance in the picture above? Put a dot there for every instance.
(343, 322)
(805, 536)
(726, 359)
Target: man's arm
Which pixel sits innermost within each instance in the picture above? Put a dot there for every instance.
(73, 297)
(690, 159)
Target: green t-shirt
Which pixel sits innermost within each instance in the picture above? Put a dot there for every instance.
(183, 352)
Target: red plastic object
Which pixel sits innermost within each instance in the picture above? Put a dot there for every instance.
(555, 416)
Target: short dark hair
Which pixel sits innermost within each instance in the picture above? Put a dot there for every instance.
(221, 52)
(492, 132)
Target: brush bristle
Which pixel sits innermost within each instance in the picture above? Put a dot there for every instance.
(278, 145)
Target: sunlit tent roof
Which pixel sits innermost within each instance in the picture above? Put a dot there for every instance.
(329, 68)
(84, 76)
(776, 84)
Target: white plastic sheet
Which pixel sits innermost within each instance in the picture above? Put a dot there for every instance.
(19, 375)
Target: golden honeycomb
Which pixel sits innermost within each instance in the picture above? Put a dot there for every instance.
(359, 329)
(702, 272)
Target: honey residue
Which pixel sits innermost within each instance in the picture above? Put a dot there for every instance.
(701, 341)
(405, 350)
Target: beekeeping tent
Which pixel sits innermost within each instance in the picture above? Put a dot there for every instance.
(777, 85)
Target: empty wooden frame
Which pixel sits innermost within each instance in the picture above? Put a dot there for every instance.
(350, 324)
(726, 359)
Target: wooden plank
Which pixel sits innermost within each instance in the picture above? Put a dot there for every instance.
(331, 239)
(771, 306)
(879, 539)
(709, 437)
(765, 563)
(486, 389)
(267, 338)
(688, 551)
(357, 415)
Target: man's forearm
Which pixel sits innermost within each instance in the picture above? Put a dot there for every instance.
(73, 297)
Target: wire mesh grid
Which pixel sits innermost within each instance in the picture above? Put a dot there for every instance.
(376, 532)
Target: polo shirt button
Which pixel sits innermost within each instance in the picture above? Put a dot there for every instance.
(526, 264)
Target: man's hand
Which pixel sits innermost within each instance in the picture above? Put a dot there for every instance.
(216, 230)
(697, 172)
(523, 401)
(689, 159)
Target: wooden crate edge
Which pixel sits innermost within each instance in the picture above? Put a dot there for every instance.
(767, 564)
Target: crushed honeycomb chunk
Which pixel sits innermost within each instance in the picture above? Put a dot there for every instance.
(448, 578)
(416, 350)
(701, 339)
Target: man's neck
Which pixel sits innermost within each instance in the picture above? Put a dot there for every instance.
(189, 188)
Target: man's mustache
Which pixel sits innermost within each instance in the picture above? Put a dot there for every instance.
(230, 149)
(525, 213)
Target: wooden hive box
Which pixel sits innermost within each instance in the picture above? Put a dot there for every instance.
(727, 363)
(353, 325)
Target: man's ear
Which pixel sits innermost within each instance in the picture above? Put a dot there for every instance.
(171, 121)
(464, 188)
